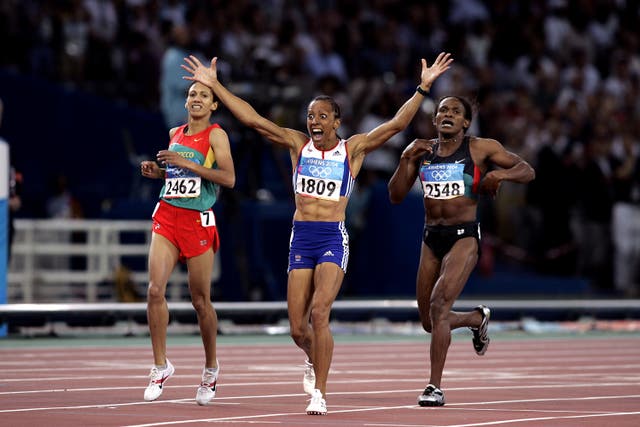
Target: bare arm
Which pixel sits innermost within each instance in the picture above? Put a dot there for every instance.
(512, 168)
(407, 171)
(241, 109)
(224, 174)
(151, 169)
(378, 136)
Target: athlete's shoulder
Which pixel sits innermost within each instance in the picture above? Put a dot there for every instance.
(481, 140)
(175, 130)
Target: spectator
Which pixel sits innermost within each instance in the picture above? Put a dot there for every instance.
(15, 187)
(173, 87)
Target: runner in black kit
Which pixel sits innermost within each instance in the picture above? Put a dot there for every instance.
(453, 172)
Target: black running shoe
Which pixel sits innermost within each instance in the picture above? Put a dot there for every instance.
(431, 396)
(480, 337)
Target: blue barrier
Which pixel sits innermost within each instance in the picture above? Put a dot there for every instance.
(4, 226)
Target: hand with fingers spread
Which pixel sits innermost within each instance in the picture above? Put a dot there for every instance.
(200, 73)
(430, 74)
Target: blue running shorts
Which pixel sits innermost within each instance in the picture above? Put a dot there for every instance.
(315, 242)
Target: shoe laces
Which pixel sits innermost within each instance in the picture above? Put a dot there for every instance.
(208, 379)
(155, 374)
(431, 389)
(316, 398)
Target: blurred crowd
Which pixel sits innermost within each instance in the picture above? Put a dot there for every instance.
(556, 81)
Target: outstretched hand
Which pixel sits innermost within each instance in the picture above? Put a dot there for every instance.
(200, 73)
(430, 74)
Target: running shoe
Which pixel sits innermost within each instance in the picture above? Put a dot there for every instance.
(207, 390)
(480, 337)
(317, 405)
(431, 396)
(309, 379)
(158, 378)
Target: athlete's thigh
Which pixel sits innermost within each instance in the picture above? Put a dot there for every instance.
(457, 266)
(299, 293)
(328, 278)
(163, 256)
(200, 269)
(428, 272)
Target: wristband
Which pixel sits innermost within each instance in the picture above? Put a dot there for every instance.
(421, 91)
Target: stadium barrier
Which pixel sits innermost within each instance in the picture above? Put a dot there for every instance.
(63, 271)
(77, 260)
(87, 314)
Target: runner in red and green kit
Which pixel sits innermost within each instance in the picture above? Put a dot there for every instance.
(197, 162)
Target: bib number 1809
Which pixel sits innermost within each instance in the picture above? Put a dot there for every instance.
(317, 187)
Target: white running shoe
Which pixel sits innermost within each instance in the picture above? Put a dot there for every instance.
(309, 379)
(317, 405)
(207, 390)
(431, 396)
(158, 378)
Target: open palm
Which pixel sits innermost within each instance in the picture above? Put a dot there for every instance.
(439, 66)
(200, 73)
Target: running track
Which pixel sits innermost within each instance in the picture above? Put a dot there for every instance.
(576, 380)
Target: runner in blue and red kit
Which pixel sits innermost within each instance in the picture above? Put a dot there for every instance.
(324, 169)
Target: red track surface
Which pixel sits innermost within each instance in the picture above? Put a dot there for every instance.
(529, 382)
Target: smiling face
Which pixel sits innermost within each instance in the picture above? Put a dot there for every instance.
(200, 101)
(451, 117)
(322, 122)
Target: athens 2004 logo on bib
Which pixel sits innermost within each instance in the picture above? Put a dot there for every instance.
(320, 178)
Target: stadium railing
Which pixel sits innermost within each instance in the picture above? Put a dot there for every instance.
(63, 270)
(76, 260)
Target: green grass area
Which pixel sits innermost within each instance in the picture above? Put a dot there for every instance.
(93, 340)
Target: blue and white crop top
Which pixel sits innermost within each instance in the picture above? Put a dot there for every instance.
(323, 174)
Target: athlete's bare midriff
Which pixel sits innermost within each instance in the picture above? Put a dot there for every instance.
(312, 209)
(450, 211)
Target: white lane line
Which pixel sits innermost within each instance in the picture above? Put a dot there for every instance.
(449, 405)
(383, 391)
(510, 421)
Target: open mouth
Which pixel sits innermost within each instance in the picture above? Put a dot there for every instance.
(316, 133)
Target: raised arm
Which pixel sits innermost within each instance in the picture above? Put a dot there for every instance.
(365, 143)
(240, 108)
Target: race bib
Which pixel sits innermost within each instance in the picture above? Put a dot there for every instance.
(320, 178)
(181, 183)
(442, 180)
(207, 219)
(182, 187)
